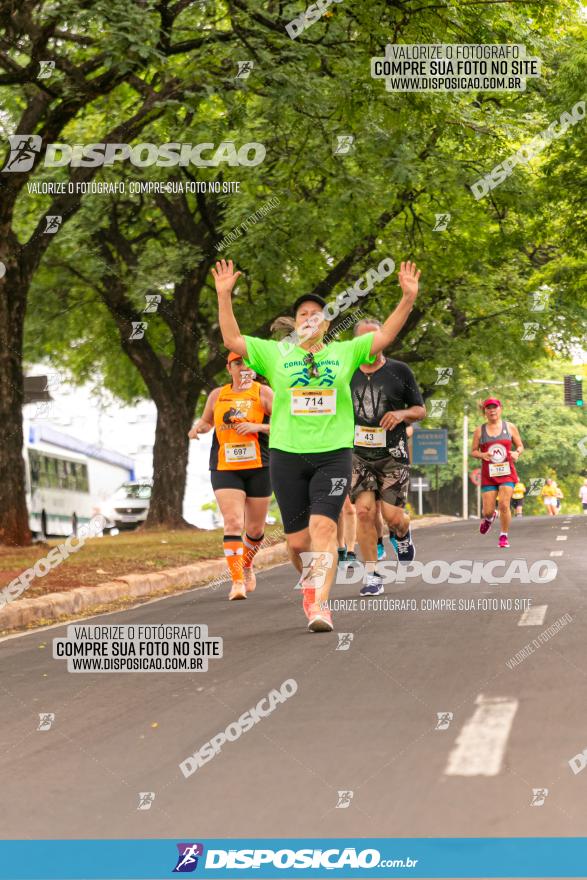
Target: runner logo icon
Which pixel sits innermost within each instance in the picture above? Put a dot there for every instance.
(23, 150)
(344, 800)
(442, 221)
(345, 144)
(344, 641)
(315, 564)
(187, 860)
(539, 795)
(338, 485)
(46, 719)
(146, 799)
(46, 69)
(444, 719)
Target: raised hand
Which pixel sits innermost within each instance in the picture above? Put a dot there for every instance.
(225, 277)
(409, 276)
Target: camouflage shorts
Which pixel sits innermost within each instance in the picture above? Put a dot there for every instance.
(388, 479)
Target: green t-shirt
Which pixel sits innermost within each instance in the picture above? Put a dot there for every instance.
(324, 418)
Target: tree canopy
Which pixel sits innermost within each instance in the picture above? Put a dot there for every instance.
(138, 71)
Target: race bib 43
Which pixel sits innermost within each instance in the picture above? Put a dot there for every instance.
(369, 436)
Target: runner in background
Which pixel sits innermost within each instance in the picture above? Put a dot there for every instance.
(492, 444)
(239, 467)
(583, 495)
(518, 498)
(386, 400)
(548, 493)
(347, 534)
(559, 496)
(312, 422)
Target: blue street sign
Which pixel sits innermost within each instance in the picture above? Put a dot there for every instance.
(430, 447)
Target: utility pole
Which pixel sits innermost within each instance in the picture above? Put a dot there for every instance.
(465, 465)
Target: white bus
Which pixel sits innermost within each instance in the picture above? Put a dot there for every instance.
(68, 480)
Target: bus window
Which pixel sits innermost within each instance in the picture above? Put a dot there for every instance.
(61, 473)
(49, 472)
(35, 465)
(53, 473)
(83, 484)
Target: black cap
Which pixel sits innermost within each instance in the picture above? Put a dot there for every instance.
(313, 297)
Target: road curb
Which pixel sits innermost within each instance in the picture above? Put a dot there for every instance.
(439, 519)
(46, 609)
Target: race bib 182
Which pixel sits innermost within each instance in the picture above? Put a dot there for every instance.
(499, 470)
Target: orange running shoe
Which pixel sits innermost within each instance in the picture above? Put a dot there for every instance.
(238, 591)
(250, 579)
(320, 619)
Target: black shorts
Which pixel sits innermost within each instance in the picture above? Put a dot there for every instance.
(517, 502)
(254, 482)
(308, 483)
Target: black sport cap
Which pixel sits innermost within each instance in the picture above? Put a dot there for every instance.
(313, 297)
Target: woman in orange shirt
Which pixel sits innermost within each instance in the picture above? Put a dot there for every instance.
(239, 467)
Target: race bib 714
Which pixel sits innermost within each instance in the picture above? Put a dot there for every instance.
(313, 402)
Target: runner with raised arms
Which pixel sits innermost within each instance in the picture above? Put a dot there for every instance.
(312, 426)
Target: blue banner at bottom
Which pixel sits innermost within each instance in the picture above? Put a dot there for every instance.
(258, 858)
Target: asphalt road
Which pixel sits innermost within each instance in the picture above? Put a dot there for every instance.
(363, 720)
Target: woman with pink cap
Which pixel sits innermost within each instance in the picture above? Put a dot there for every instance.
(492, 444)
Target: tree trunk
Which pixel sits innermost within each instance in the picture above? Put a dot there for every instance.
(170, 459)
(14, 520)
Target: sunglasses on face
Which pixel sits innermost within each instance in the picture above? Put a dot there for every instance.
(312, 365)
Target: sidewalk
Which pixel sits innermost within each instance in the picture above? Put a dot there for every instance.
(124, 591)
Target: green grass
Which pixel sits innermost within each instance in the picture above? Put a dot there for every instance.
(103, 559)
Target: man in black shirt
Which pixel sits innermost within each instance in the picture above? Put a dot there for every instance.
(386, 399)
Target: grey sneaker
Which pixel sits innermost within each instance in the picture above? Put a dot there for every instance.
(373, 585)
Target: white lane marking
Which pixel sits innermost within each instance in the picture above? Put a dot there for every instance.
(556, 552)
(561, 537)
(480, 746)
(533, 616)
(563, 528)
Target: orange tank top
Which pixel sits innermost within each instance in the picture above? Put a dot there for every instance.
(238, 451)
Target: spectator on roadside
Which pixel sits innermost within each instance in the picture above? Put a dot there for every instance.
(583, 495)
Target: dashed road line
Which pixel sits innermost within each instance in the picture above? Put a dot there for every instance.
(533, 616)
(480, 746)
